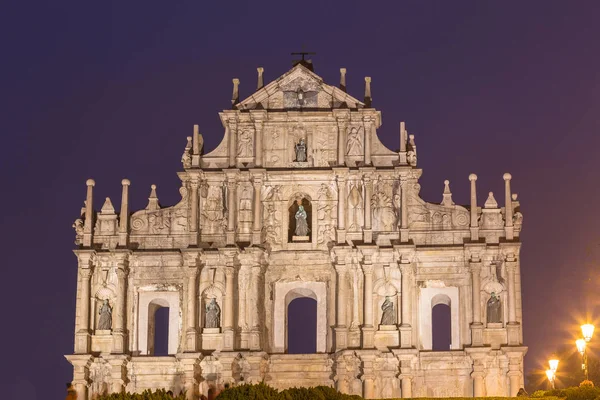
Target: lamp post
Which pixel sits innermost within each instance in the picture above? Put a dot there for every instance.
(551, 376)
(551, 373)
(588, 331)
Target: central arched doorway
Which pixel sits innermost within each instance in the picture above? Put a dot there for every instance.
(299, 303)
(302, 326)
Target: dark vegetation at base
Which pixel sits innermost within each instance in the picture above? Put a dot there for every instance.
(262, 391)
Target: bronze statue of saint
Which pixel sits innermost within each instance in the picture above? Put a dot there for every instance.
(301, 151)
(301, 224)
(494, 309)
(212, 318)
(388, 316)
(105, 321)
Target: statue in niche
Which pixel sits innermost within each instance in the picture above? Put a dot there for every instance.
(493, 309)
(245, 144)
(213, 314)
(388, 316)
(301, 151)
(301, 224)
(354, 146)
(105, 320)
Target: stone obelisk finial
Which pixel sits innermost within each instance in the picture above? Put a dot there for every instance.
(260, 83)
(508, 211)
(124, 214)
(474, 222)
(235, 96)
(403, 139)
(343, 79)
(89, 213)
(368, 98)
(447, 195)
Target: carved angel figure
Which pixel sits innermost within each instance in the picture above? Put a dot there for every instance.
(354, 146)
(245, 144)
(105, 321)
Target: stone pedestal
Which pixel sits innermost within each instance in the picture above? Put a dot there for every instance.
(212, 339)
(367, 236)
(405, 336)
(255, 339)
(476, 334)
(341, 337)
(404, 235)
(228, 340)
(101, 341)
(245, 339)
(387, 336)
(368, 337)
(300, 238)
(513, 330)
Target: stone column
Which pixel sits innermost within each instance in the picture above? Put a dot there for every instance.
(124, 217)
(368, 328)
(231, 209)
(342, 128)
(402, 153)
(406, 326)
(232, 123)
(514, 378)
(367, 231)
(508, 212)
(474, 222)
(478, 376)
(81, 365)
(341, 231)
(190, 365)
(88, 226)
(259, 117)
(404, 209)
(194, 206)
(513, 325)
(257, 220)
(368, 376)
(191, 332)
(476, 326)
(82, 334)
(369, 127)
(255, 343)
(242, 322)
(341, 329)
(119, 333)
(228, 320)
(118, 373)
(406, 386)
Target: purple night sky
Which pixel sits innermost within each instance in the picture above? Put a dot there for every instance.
(110, 91)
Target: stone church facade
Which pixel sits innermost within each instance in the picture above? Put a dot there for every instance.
(229, 258)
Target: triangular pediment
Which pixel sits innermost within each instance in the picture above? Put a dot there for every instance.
(299, 88)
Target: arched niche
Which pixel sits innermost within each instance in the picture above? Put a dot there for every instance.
(293, 206)
(285, 292)
(211, 292)
(429, 298)
(149, 302)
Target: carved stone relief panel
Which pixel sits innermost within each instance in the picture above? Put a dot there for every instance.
(213, 217)
(385, 215)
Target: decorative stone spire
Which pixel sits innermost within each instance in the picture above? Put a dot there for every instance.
(235, 96)
(368, 98)
(491, 201)
(124, 217)
(474, 221)
(89, 213)
(153, 204)
(108, 207)
(508, 210)
(402, 137)
(447, 196)
(260, 83)
(343, 79)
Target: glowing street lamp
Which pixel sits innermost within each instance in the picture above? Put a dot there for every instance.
(580, 343)
(588, 331)
(553, 363)
(551, 374)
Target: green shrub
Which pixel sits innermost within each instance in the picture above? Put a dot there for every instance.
(538, 394)
(160, 394)
(582, 393)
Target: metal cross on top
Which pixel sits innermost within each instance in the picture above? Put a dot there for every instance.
(303, 53)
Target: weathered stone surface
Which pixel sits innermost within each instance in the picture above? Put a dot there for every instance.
(227, 260)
